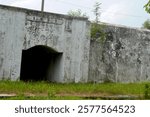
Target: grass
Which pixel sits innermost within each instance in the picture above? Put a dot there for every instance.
(45, 90)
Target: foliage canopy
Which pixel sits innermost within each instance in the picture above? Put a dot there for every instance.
(147, 7)
(146, 24)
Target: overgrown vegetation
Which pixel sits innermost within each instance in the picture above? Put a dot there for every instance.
(97, 32)
(146, 24)
(45, 90)
(147, 91)
(147, 6)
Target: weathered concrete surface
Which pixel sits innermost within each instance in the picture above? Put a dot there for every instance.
(124, 56)
(11, 38)
(22, 29)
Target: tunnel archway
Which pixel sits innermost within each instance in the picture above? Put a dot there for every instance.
(39, 63)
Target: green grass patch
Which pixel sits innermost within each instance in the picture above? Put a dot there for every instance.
(45, 90)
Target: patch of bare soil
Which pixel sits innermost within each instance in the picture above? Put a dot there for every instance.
(98, 96)
(81, 95)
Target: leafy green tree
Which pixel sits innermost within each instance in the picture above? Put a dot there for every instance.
(146, 24)
(147, 7)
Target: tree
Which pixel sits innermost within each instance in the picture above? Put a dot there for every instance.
(97, 12)
(147, 7)
(146, 24)
(77, 13)
(97, 32)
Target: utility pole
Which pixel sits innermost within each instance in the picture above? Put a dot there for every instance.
(42, 6)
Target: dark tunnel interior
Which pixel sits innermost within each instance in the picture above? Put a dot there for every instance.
(37, 63)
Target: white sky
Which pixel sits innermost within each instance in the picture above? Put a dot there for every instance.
(124, 12)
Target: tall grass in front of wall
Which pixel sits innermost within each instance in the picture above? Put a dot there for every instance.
(51, 90)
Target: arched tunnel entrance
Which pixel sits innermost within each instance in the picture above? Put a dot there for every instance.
(40, 63)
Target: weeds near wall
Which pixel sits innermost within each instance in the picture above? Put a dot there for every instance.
(97, 32)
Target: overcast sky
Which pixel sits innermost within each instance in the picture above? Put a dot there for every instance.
(124, 12)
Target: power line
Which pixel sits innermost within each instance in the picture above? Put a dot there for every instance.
(64, 2)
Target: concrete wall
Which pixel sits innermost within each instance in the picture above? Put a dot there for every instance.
(124, 56)
(11, 38)
(21, 29)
